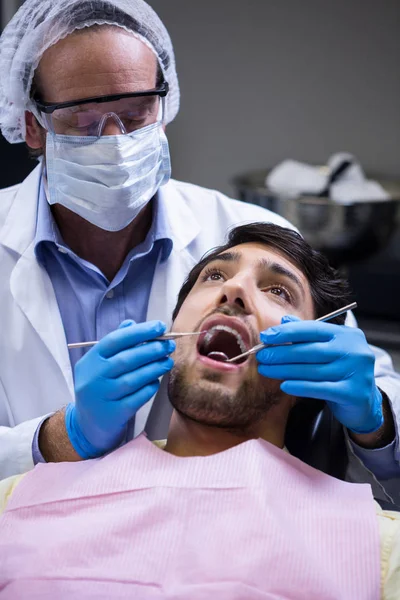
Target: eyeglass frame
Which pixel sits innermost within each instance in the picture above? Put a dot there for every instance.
(50, 107)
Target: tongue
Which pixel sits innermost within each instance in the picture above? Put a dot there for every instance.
(219, 356)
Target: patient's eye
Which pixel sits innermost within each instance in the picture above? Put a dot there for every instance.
(280, 291)
(212, 274)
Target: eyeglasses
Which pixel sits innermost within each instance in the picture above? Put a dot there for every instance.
(89, 116)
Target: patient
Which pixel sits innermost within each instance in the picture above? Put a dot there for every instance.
(220, 509)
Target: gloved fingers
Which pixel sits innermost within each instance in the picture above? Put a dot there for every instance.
(135, 401)
(126, 337)
(304, 372)
(299, 353)
(127, 323)
(288, 318)
(133, 358)
(132, 382)
(299, 331)
(327, 390)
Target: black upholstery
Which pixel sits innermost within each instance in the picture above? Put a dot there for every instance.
(317, 438)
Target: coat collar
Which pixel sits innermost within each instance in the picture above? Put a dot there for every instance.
(19, 228)
(181, 220)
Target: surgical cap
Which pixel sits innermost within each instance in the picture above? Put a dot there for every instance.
(39, 24)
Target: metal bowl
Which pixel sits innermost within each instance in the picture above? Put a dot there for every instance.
(344, 233)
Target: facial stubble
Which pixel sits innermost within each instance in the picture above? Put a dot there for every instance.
(208, 402)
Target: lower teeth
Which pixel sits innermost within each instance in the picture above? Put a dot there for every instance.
(221, 356)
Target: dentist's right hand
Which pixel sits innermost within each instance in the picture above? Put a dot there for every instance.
(112, 381)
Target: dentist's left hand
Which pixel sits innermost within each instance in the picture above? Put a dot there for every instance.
(112, 381)
(328, 362)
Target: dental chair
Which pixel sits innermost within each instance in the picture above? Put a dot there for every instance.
(317, 438)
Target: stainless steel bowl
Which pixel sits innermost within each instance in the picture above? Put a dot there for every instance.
(345, 233)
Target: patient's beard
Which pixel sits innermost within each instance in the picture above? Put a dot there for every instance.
(215, 406)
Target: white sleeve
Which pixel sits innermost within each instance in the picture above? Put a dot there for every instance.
(16, 448)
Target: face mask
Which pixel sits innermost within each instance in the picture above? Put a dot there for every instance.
(109, 179)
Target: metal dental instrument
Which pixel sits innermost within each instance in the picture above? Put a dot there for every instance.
(331, 315)
(166, 336)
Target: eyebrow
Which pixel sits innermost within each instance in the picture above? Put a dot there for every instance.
(264, 264)
(281, 270)
(228, 257)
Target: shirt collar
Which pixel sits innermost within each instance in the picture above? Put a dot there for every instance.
(160, 227)
(46, 227)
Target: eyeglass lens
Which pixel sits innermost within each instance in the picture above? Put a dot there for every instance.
(91, 119)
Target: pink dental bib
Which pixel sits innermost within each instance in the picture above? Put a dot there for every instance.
(249, 523)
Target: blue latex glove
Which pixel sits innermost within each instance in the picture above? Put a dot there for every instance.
(112, 381)
(328, 362)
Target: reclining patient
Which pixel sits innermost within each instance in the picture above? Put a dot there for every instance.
(220, 509)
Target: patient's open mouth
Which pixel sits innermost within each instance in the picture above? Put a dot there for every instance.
(221, 343)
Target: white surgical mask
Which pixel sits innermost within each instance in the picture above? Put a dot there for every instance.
(107, 180)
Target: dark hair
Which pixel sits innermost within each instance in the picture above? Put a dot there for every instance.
(329, 290)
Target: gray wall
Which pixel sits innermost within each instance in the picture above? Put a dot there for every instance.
(263, 80)
(7, 9)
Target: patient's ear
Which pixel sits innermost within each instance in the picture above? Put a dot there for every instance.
(35, 134)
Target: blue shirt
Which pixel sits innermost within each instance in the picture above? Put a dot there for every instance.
(90, 305)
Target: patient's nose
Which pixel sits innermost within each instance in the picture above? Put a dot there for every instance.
(236, 292)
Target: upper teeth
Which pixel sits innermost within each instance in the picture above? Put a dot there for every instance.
(210, 333)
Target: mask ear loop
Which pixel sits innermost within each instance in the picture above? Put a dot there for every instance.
(38, 116)
(116, 118)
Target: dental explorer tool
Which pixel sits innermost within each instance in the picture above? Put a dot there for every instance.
(167, 336)
(255, 349)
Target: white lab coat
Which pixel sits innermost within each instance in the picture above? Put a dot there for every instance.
(35, 371)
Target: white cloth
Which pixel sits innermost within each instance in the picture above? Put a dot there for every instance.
(40, 24)
(35, 370)
(293, 179)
